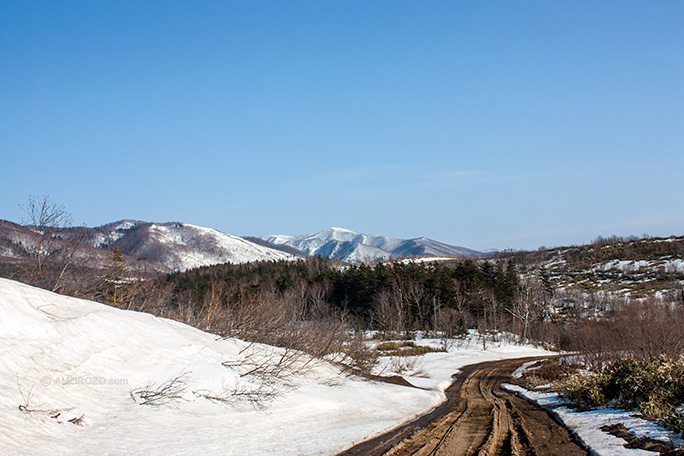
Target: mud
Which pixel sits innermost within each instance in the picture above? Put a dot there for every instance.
(478, 418)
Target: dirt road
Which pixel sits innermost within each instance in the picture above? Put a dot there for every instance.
(478, 418)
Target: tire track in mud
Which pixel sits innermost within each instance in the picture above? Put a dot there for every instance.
(478, 418)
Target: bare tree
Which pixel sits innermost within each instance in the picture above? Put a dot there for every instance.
(389, 312)
(529, 304)
(47, 220)
(415, 296)
(464, 313)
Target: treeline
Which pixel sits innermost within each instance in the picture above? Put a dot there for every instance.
(396, 297)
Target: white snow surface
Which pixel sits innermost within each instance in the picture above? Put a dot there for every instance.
(669, 265)
(64, 358)
(84, 359)
(195, 246)
(113, 233)
(423, 260)
(585, 425)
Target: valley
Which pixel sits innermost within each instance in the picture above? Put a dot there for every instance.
(291, 328)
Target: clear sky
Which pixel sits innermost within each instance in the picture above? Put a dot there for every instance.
(507, 124)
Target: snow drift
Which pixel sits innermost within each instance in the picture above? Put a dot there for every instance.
(71, 370)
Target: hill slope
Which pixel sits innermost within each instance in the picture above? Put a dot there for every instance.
(180, 246)
(160, 247)
(74, 376)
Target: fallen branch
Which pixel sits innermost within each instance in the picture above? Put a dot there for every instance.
(170, 391)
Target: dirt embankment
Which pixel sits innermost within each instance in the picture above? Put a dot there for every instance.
(478, 418)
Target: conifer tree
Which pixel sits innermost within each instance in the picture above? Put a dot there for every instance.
(115, 279)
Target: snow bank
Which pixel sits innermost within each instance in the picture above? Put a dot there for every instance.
(68, 359)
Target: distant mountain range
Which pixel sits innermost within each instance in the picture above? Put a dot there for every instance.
(166, 247)
(350, 246)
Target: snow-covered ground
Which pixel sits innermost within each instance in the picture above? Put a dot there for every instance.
(70, 370)
(73, 376)
(67, 359)
(669, 265)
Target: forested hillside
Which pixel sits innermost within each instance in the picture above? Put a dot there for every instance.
(451, 295)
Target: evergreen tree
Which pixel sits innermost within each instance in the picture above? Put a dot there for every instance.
(115, 278)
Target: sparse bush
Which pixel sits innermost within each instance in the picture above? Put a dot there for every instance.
(258, 395)
(534, 381)
(170, 391)
(654, 387)
(406, 365)
(638, 329)
(548, 371)
(585, 389)
(555, 370)
(407, 348)
(55, 414)
(357, 357)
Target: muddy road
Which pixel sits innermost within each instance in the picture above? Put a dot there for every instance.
(478, 418)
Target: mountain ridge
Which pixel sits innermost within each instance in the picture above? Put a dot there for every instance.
(350, 246)
(176, 246)
(161, 247)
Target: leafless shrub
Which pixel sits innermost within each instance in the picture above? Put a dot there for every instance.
(146, 296)
(170, 391)
(357, 358)
(258, 395)
(27, 407)
(409, 365)
(640, 329)
(449, 324)
(272, 365)
(299, 320)
(649, 328)
(267, 372)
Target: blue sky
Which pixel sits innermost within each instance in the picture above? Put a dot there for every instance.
(507, 124)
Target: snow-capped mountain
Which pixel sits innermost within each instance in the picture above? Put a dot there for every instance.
(350, 246)
(180, 246)
(161, 247)
(174, 246)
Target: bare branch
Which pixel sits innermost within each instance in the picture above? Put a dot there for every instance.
(170, 391)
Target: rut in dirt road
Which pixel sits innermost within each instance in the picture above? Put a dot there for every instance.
(478, 419)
